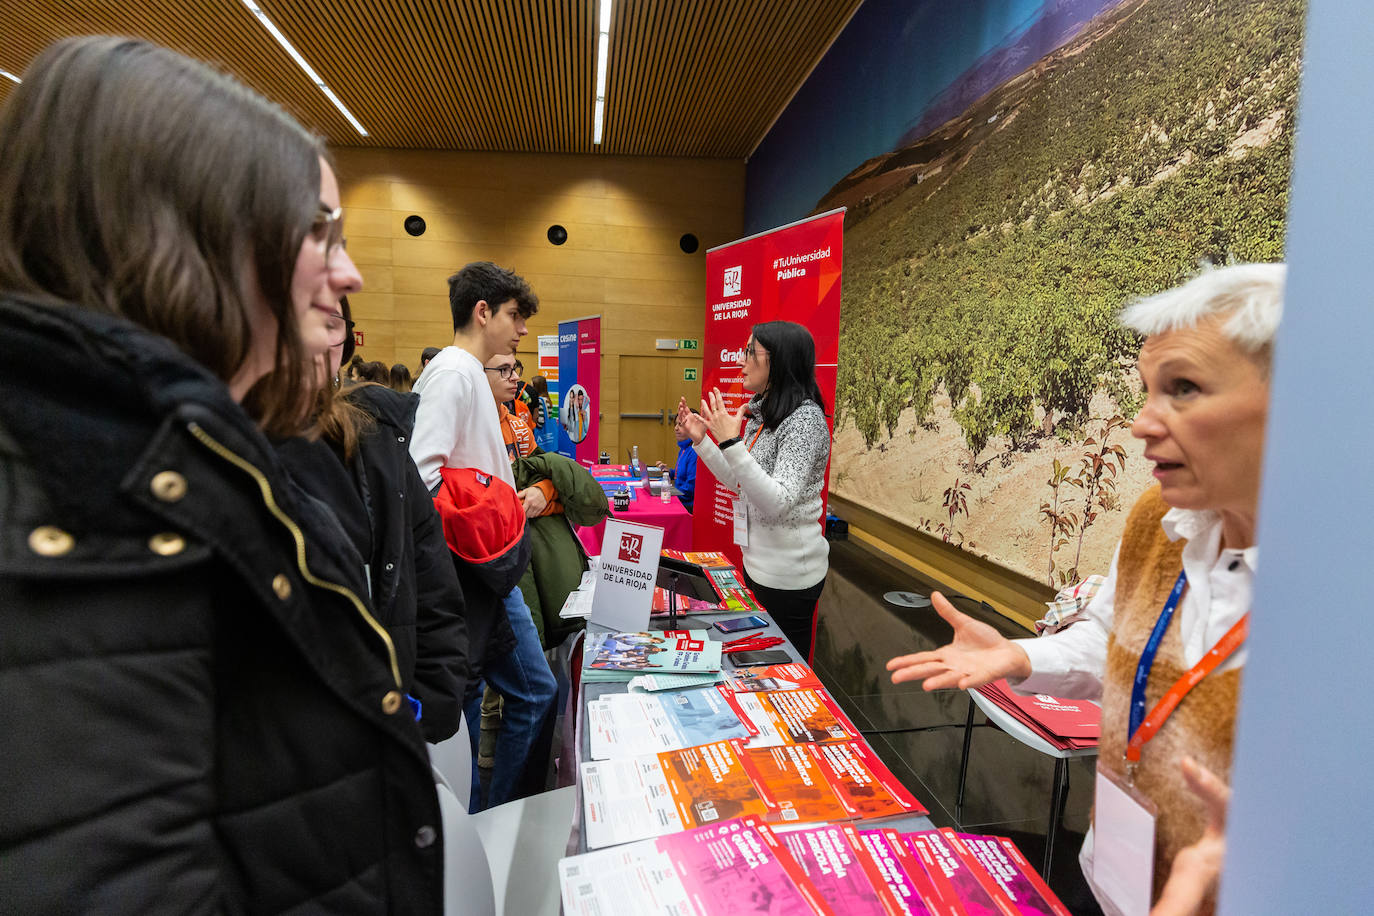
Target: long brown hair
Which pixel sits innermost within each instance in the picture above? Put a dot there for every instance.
(140, 182)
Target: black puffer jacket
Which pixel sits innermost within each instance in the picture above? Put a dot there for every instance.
(200, 713)
(413, 585)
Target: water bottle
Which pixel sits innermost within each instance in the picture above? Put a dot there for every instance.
(634, 460)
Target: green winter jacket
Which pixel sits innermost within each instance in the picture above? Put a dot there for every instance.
(557, 560)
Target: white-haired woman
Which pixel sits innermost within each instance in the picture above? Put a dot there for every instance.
(1188, 546)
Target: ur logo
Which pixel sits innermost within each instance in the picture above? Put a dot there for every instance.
(630, 547)
(733, 280)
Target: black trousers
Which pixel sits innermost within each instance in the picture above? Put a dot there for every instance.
(793, 609)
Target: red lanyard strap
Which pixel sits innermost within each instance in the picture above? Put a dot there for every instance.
(1169, 702)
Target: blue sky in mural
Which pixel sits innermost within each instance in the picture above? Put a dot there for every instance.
(876, 81)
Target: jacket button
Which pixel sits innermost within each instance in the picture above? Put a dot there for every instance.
(400, 438)
(282, 586)
(390, 567)
(391, 702)
(167, 544)
(50, 541)
(168, 486)
(425, 837)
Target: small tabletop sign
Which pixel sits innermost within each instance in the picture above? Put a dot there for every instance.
(625, 582)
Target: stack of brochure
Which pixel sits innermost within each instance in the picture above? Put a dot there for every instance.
(622, 656)
(685, 604)
(1066, 724)
(769, 677)
(729, 586)
(791, 676)
(631, 724)
(629, 799)
(741, 865)
(634, 724)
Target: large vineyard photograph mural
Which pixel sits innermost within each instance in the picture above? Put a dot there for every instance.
(1084, 153)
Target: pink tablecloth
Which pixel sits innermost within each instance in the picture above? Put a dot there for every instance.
(646, 509)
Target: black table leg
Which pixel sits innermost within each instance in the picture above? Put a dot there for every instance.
(963, 767)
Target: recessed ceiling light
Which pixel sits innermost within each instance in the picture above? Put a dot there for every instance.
(301, 62)
(603, 44)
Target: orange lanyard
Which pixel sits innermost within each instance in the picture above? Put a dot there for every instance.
(755, 440)
(1169, 702)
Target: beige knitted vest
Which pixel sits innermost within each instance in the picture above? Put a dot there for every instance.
(1203, 725)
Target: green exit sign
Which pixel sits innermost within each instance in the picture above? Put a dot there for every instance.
(689, 375)
(687, 343)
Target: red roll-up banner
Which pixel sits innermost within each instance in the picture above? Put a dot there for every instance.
(791, 273)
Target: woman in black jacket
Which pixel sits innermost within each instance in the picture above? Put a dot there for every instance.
(202, 713)
(358, 463)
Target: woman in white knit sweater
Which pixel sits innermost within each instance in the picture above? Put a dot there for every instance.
(773, 452)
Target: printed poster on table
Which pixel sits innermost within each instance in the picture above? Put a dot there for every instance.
(791, 273)
(840, 867)
(635, 724)
(734, 868)
(547, 435)
(579, 385)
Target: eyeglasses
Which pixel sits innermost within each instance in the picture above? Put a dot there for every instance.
(339, 329)
(750, 352)
(503, 371)
(327, 229)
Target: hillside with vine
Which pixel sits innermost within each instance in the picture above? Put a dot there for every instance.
(991, 281)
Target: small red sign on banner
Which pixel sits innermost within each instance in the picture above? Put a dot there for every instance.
(357, 338)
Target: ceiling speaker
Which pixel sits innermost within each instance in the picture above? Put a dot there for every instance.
(688, 243)
(415, 225)
(557, 234)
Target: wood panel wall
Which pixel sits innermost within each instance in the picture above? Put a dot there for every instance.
(624, 218)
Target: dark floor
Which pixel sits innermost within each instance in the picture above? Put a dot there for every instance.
(1009, 785)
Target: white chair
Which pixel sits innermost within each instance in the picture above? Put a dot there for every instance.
(467, 875)
(503, 860)
(468, 889)
(524, 840)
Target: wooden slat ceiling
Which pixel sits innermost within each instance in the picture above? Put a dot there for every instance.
(685, 77)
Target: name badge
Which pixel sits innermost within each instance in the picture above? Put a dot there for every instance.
(741, 513)
(1123, 844)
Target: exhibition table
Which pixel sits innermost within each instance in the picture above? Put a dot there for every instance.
(588, 692)
(646, 509)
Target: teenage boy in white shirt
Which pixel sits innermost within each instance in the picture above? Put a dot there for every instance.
(456, 425)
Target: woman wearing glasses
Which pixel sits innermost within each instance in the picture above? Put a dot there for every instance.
(356, 460)
(201, 711)
(773, 452)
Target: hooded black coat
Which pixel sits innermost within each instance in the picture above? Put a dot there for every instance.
(201, 712)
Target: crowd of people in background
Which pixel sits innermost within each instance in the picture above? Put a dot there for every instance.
(531, 399)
